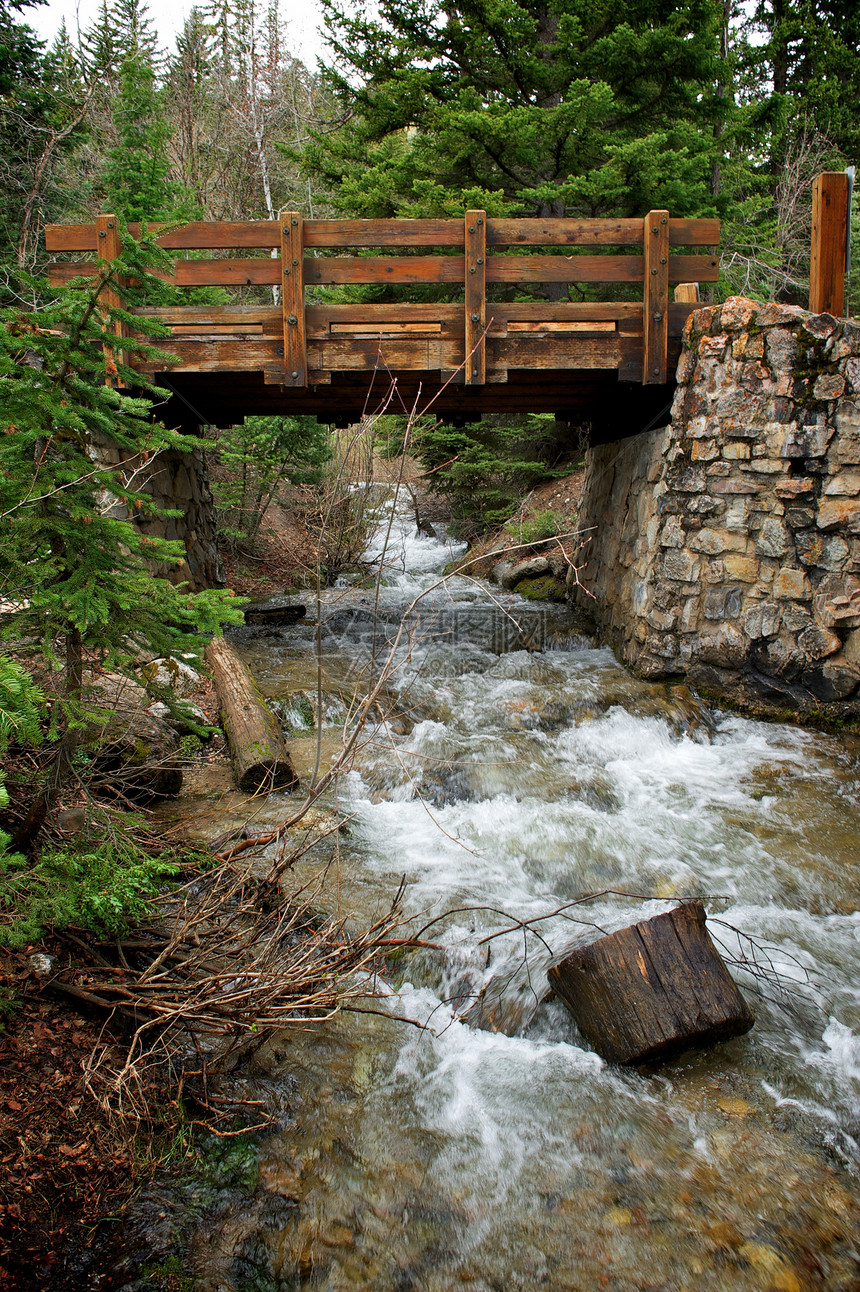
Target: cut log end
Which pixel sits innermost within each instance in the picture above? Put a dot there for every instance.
(267, 775)
(652, 990)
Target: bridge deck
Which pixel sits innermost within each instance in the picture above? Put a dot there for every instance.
(486, 352)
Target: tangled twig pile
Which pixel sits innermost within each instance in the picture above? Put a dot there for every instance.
(227, 959)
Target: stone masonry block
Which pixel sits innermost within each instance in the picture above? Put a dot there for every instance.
(774, 539)
(743, 569)
(836, 512)
(735, 450)
(830, 385)
(680, 565)
(791, 585)
(844, 485)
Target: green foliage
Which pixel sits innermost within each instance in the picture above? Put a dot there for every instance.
(104, 885)
(75, 456)
(136, 178)
(9, 1003)
(255, 459)
(807, 52)
(22, 706)
(485, 468)
(22, 712)
(518, 107)
(41, 119)
(535, 528)
(852, 284)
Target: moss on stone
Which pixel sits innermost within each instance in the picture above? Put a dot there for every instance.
(545, 587)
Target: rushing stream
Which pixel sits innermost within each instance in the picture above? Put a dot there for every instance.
(527, 768)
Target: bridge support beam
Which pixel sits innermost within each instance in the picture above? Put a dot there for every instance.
(476, 297)
(293, 299)
(724, 545)
(655, 303)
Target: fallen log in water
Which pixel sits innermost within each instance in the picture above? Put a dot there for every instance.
(261, 612)
(652, 989)
(260, 757)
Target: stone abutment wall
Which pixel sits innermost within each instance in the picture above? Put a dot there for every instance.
(726, 547)
(177, 482)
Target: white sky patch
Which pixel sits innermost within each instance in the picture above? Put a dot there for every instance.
(168, 17)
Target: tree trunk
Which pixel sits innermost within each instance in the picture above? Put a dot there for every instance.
(652, 989)
(260, 758)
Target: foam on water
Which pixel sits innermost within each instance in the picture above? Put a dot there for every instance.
(525, 777)
(526, 813)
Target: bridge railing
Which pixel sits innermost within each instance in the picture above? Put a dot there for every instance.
(304, 340)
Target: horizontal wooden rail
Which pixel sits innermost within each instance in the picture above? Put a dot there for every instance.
(202, 235)
(296, 342)
(334, 270)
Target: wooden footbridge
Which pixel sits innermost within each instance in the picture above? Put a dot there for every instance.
(499, 340)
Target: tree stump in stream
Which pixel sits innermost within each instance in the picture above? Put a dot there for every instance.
(652, 989)
(257, 749)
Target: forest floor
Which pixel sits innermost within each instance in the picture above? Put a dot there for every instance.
(555, 501)
(68, 1166)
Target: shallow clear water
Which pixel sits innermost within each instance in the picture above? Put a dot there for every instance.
(526, 768)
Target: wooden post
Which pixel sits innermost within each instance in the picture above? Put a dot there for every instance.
(293, 300)
(655, 299)
(829, 243)
(108, 247)
(687, 293)
(476, 298)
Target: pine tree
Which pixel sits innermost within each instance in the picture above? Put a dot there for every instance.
(523, 106)
(808, 49)
(79, 571)
(41, 119)
(136, 179)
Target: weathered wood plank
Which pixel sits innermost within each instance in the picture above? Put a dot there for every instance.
(197, 235)
(700, 269)
(385, 269)
(679, 312)
(191, 273)
(652, 989)
(418, 269)
(688, 293)
(529, 231)
(655, 309)
(321, 317)
(564, 269)
(829, 243)
(396, 353)
(476, 297)
(216, 329)
(220, 354)
(704, 232)
(384, 329)
(595, 269)
(266, 234)
(564, 311)
(293, 300)
(266, 315)
(573, 325)
(383, 233)
(538, 352)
